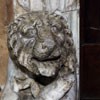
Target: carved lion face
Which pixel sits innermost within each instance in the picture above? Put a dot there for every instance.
(40, 42)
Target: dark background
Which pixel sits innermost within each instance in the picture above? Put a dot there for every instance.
(90, 49)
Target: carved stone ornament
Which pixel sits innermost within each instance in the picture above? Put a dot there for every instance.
(42, 57)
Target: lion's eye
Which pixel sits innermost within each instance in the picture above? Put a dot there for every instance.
(29, 32)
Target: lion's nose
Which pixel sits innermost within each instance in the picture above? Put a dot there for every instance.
(43, 49)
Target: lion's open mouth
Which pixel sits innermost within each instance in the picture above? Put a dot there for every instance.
(48, 66)
(45, 80)
(47, 59)
(48, 69)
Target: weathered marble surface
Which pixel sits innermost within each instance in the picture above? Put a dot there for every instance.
(35, 79)
(43, 58)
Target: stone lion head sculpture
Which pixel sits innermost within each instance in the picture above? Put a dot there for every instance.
(41, 44)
